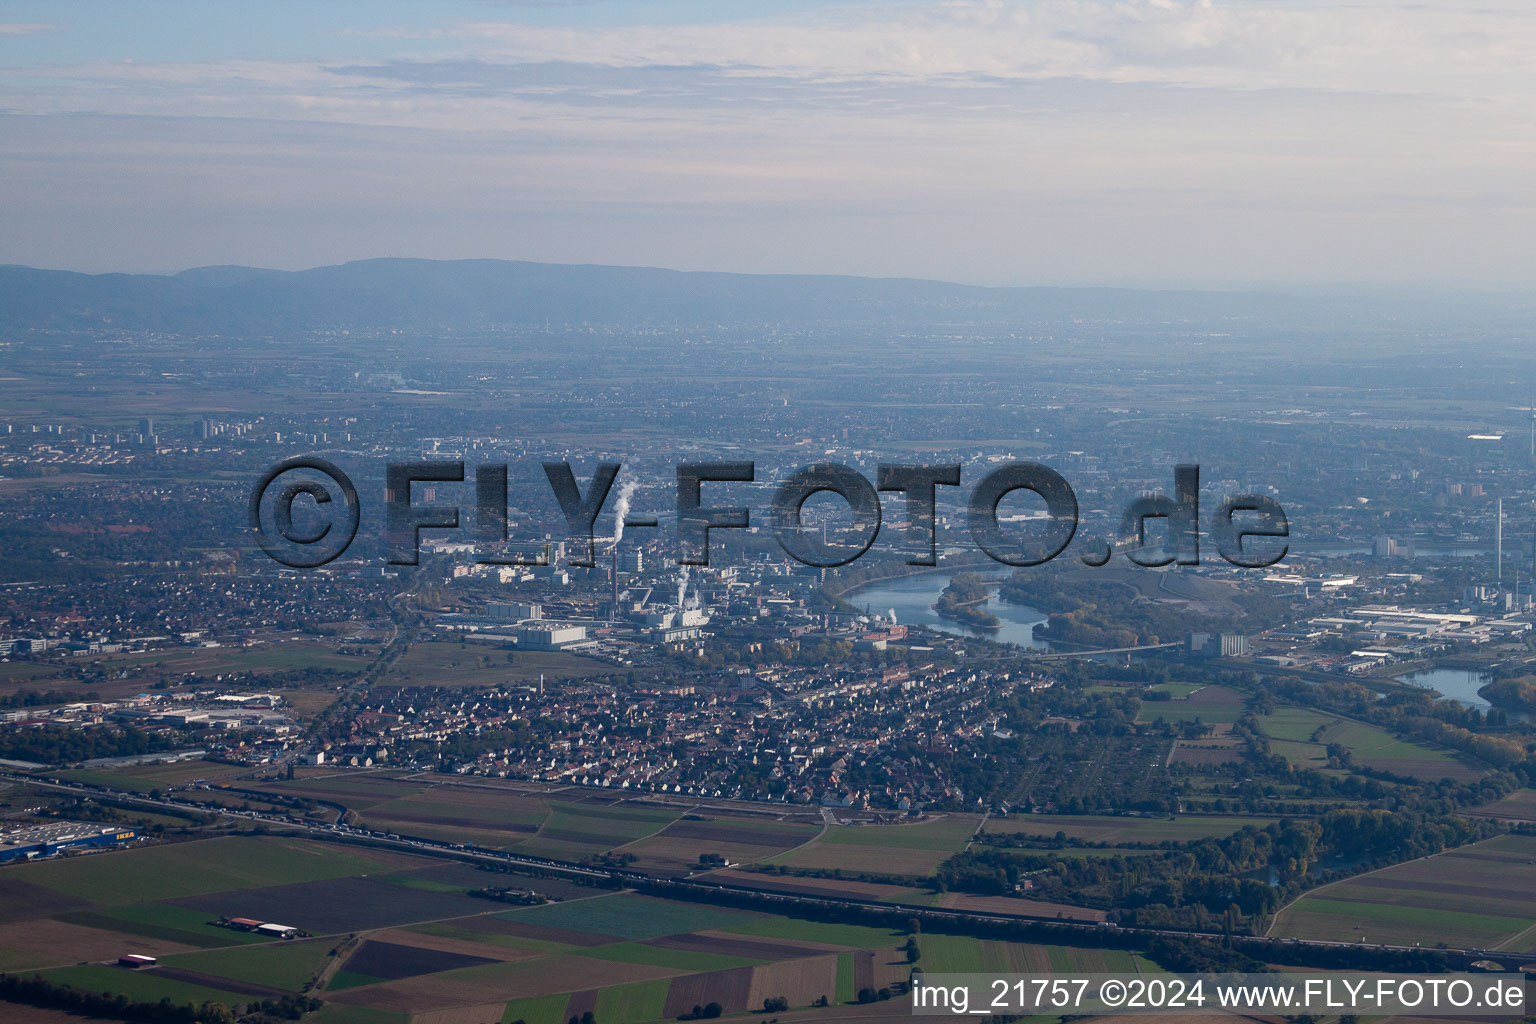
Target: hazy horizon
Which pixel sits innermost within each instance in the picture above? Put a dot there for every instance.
(1300, 288)
(1142, 144)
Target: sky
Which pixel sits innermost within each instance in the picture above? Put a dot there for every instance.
(1139, 142)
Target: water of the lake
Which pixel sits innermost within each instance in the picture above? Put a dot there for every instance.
(913, 597)
(1458, 684)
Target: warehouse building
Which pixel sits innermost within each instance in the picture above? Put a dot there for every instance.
(57, 836)
(549, 637)
(251, 924)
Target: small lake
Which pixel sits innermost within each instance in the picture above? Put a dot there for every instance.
(1460, 685)
(912, 597)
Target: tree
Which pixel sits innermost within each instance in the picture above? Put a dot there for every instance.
(215, 1013)
(775, 1004)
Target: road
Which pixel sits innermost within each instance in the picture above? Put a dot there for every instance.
(1060, 655)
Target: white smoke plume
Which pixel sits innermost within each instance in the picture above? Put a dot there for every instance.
(682, 586)
(621, 510)
(893, 616)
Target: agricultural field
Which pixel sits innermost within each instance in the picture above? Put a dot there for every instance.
(354, 789)
(1518, 806)
(100, 906)
(277, 967)
(916, 849)
(215, 865)
(677, 848)
(1178, 691)
(648, 959)
(1019, 905)
(1117, 829)
(1212, 705)
(1061, 766)
(1302, 736)
(144, 669)
(498, 819)
(144, 986)
(1476, 896)
(439, 663)
(875, 892)
(666, 838)
(1207, 751)
(288, 654)
(398, 941)
(141, 778)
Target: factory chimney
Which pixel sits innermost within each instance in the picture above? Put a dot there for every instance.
(613, 609)
(1498, 543)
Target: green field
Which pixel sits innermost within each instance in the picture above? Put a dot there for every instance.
(630, 1004)
(948, 834)
(285, 965)
(142, 778)
(845, 992)
(856, 936)
(1111, 829)
(656, 956)
(1212, 705)
(1517, 806)
(546, 963)
(950, 954)
(604, 825)
(1302, 736)
(1295, 724)
(916, 849)
(1178, 691)
(342, 980)
(542, 1009)
(449, 930)
(628, 916)
(440, 663)
(163, 921)
(192, 869)
(139, 986)
(359, 793)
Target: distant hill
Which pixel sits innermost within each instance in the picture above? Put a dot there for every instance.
(464, 293)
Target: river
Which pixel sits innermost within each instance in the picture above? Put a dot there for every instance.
(913, 597)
